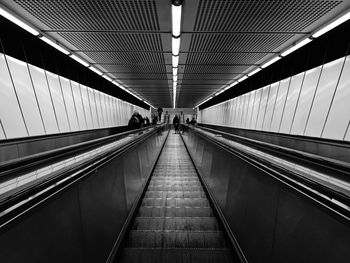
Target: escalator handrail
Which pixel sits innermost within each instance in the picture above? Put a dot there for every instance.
(323, 195)
(339, 166)
(31, 197)
(13, 168)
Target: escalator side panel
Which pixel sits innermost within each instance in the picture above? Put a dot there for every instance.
(271, 221)
(82, 222)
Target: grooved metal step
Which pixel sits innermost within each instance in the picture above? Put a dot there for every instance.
(175, 222)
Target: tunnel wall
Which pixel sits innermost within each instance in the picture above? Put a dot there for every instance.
(271, 221)
(82, 222)
(312, 103)
(35, 101)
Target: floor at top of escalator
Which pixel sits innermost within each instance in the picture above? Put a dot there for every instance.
(175, 222)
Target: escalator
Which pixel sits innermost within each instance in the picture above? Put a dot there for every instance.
(175, 222)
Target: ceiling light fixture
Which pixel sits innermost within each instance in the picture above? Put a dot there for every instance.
(176, 11)
(79, 60)
(332, 25)
(95, 70)
(242, 78)
(296, 46)
(254, 72)
(107, 78)
(175, 71)
(18, 22)
(271, 62)
(175, 78)
(176, 46)
(53, 44)
(175, 61)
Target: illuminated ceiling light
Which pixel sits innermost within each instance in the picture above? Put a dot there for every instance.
(176, 46)
(295, 47)
(271, 62)
(254, 72)
(174, 83)
(175, 71)
(79, 60)
(219, 92)
(233, 84)
(175, 61)
(107, 78)
(53, 44)
(96, 70)
(176, 20)
(332, 25)
(18, 22)
(242, 78)
(174, 78)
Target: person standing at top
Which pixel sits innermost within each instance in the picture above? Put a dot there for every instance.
(160, 111)
(176, 123)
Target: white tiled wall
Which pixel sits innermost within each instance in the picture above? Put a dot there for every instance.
(37, 102)
(313, 103)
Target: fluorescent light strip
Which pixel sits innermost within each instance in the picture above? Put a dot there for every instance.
(53, 44)
(204, 101)
(221, 91)
(79, 60)
(176, 20)
(295, 47)
(174, 83)
(18, 22)
(95, 70)
(254, 72)
(332, 25)
(107, 78)
(242, 78)
(175, 61)
(175, 78)
(176, 46)
(233, 84)
(271, 62)
(175, 71)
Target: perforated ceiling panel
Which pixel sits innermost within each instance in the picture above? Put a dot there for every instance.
(130, 40)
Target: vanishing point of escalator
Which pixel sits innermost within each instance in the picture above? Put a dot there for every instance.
(175, 222)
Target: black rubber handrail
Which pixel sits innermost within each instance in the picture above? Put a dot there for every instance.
(332, 167)
(14, 168)
(30, 198)
(322, 195)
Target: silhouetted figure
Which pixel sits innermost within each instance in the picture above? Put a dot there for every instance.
(160, 111)
(136, 121)
(176, 123)
(146, 121)
(193, 121)
(187, 120)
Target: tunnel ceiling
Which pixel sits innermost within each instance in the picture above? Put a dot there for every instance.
(131, 39)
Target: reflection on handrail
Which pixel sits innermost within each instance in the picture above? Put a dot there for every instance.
(58, 167)
(315, 176)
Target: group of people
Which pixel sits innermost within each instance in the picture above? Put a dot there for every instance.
(137, 121)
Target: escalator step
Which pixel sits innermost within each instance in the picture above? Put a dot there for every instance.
(145, 211)
(136, 255)
(175, 239)
(176, 223)
(175, 194)
(176, 202)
